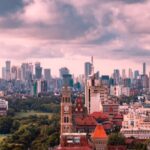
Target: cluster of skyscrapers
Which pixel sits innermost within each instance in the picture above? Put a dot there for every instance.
(34, 79)
(123, 82)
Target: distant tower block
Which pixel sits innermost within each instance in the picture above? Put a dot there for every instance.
(66, 110)
(144, 68)
(149, 81)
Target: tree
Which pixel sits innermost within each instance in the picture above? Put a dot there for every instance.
(116, 139)
(5, 125)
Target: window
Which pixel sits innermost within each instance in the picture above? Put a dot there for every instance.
(66, 119)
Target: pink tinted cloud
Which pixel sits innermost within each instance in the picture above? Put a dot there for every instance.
(43, 29)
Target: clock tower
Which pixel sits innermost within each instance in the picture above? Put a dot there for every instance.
(66, 110)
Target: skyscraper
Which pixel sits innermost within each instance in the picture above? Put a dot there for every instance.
(116, 76)
(63, 71)
(123, 73)
(14, 73)
(3, 73)
(144, 68)
(8, 66)
(130, 73)
(26, 71)
(87, 69)
(38, 71)
(136, 74)
(47, 74)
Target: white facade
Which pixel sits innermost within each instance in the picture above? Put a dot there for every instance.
(115, 90)
(3, 107)
(119, 90)
(39, 86)
(95, 93)
(137, 123)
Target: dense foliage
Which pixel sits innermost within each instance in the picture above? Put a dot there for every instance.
(8, 125)
(116, 139)
(34, 131)
(45, 104)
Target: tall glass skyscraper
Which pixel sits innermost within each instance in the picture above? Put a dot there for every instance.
(87, 69)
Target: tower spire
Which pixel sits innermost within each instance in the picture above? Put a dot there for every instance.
(92, 62)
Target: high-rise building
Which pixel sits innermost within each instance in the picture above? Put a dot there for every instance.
(116, 76)
(105, 80)
(8, 66)
(39, 89)
(38, 71)
(136, 74)
(124, 74)
(130, 74)
(19, 74)
(149, 82)
(68, 80)
(47, 74)
(14, 73)
(3, 73)
(63, 71)
(26, 71)
(144, 68)
(43, 86)
(87, 69)
(95, 94)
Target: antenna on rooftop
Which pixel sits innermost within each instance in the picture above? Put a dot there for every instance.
(92, 62)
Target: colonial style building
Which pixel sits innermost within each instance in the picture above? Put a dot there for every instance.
(69, 139)
(100, 138)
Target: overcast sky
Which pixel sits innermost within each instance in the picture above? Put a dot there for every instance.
(67, 32)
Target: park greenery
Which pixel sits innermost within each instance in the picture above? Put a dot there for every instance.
(31, 123)
(117, 139)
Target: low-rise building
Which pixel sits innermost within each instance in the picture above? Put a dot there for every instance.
(110, 107)
(136, 123)
(3, 107)
(99, 138)
(74, 141)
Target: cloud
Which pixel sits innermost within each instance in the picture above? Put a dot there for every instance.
(58, 28)
(7, 6)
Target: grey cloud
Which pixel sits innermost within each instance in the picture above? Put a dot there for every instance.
(127, 1)
(10, 6)
(131, 53)
(133, 1)
(104, 38)
(71, 25)
(22, 52)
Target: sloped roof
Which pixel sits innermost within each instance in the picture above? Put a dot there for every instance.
(100, 115)
(88, 120)
(99, 132)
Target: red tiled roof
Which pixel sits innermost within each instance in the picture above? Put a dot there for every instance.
(99, 132)
(99, 115)
(118, 116)
(118, 123)
(107, 126)
(110, 147)
(88, 120)
(129, 141)
(75, 148)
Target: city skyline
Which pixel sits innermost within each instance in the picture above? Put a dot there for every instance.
(127, 69)
(67, 33)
